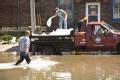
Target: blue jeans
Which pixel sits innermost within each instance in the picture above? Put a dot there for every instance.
(23, 56)
(61, 22)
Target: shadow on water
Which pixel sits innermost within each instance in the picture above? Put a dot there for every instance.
(14, 48)
(69, 67)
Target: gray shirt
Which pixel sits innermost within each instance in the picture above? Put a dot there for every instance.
(23, 43)
(60, 13)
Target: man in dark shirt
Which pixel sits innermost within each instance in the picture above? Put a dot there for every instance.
(79, 24)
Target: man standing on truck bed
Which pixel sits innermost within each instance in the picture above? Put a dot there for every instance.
(62, 17)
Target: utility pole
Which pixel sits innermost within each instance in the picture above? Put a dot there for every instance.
(33, 17)
(18, 14)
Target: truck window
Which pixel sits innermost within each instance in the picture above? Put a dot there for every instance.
(110, 27)
(100, 31)
(96, 29)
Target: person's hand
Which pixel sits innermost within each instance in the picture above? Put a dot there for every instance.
(65, 19)
(28, 53)
(85, 18)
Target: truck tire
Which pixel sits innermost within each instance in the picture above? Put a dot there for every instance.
(48, 51)
(118, 49)
(33, 49)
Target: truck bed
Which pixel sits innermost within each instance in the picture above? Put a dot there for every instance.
(53, 43)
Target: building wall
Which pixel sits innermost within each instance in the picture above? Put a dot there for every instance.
(106, 11)
(47, 10)
(7, 12)
(12, 14)
(16, 12)
(79, 10)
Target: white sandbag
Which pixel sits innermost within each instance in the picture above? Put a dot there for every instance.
(49, 21)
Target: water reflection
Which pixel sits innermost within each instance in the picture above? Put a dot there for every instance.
(62, 75)
(101, 74)
(69, 67)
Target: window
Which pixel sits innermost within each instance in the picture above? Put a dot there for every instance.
(67, 5)
(96, 29)
(100, 31)
(65, 2)
(93, 11)
(116, 10)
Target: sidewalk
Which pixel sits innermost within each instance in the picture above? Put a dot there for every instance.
(9, 47)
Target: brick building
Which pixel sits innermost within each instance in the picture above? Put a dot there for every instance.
(15, 14)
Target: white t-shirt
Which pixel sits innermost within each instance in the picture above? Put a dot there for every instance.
(24, 41)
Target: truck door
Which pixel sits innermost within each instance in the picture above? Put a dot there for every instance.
(99, 38)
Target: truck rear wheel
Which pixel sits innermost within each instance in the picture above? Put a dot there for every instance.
(118, 49)
(48, 51)
(33, 49)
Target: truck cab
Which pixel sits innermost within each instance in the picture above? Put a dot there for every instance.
(98, 36)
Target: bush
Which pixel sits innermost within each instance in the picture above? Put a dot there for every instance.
(0, 38)
(5, 34)
(6, 37)
(16, 34)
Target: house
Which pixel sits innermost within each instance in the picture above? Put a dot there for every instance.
(15, 14)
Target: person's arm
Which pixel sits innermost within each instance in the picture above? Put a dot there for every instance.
(26, 49)
(85, 18)
(66, 15)
(27, 44)
(54, 15)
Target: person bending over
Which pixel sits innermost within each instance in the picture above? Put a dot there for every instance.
(62, 17)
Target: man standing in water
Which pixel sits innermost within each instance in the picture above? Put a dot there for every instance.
(62, 17)
(24, 45)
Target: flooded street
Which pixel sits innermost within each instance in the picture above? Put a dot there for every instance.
(62, 67)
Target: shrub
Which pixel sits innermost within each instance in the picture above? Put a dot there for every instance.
(6, 37)
(0, 38)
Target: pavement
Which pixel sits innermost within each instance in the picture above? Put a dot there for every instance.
(9, 47)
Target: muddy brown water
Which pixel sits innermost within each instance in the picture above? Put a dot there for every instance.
(69, 67)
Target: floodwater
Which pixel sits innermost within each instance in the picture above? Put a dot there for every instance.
(66, 67)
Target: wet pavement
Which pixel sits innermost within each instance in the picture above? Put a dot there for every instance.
(68, 67)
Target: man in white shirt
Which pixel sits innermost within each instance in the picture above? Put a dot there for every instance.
(24, 45)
